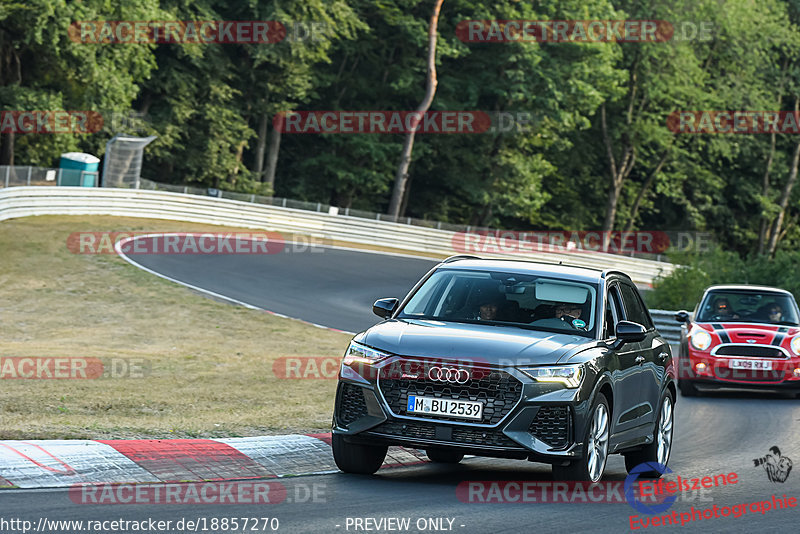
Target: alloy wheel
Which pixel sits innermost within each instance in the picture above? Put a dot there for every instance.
(664, 433)
(598, 443)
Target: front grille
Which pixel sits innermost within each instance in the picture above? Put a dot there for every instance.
(497, 390)
(351, 404)
(465, 435)
(552, 425)
(756, 351)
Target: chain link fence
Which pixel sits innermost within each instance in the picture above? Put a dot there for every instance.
(17, 175)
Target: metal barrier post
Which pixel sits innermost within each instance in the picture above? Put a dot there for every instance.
(29, 174)
(105, 162)
(8, 172)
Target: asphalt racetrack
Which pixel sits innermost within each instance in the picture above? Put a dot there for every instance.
(718, 433)
(327, 286)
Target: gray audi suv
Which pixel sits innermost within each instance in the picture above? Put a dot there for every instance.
(509, 359)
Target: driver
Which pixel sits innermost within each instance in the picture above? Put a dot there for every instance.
(723, 310)
(489, 306)
(568, 312)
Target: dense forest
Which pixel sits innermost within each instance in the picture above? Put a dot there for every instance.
(595, 149)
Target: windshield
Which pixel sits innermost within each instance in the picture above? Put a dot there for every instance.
(525, 301)
(748, 307)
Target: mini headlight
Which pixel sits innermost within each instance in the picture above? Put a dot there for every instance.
(569, 375)
(701, 339)
(795, 344)
(360, 353)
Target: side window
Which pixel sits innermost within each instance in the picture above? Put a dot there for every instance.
(613, 312)
(634, 307)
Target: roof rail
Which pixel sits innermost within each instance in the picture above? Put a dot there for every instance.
(461, 257)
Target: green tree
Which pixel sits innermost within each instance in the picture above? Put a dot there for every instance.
(43, 69)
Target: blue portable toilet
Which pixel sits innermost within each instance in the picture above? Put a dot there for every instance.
(78, 169)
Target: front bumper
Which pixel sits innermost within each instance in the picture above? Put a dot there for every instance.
(539, 422)
(704, 368)
(720, 384)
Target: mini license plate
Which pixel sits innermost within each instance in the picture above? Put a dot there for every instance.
(445, 407)
(756, 365)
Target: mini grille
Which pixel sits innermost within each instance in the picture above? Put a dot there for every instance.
(758, 351)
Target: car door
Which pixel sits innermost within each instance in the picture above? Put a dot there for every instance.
(625, 370)
(652, 355)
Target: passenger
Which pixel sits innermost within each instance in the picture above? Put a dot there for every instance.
(775, 313)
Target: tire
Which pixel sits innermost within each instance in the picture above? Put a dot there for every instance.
(661, 447)
(356, 458)
(598, 430)
(687, 388)
(444, 456)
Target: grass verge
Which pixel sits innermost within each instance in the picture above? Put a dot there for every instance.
(210, 363)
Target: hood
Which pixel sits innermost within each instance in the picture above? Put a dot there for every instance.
(760, 333)
(503, 345)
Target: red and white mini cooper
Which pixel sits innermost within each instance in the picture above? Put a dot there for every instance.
(740, 335)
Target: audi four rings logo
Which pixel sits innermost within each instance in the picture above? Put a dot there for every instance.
(448, 374)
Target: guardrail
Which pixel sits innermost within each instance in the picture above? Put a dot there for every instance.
(24, 176)
(666, 324)
(26, 201)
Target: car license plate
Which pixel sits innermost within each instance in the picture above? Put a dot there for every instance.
(447, 407)
(756, 365)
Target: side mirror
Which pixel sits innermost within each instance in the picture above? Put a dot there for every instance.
(629, 332)
(682, 317)
(384, 307)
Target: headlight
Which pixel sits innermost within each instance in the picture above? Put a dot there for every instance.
(701, 339)
(569, 375)
(795, 344)
(360, 354)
